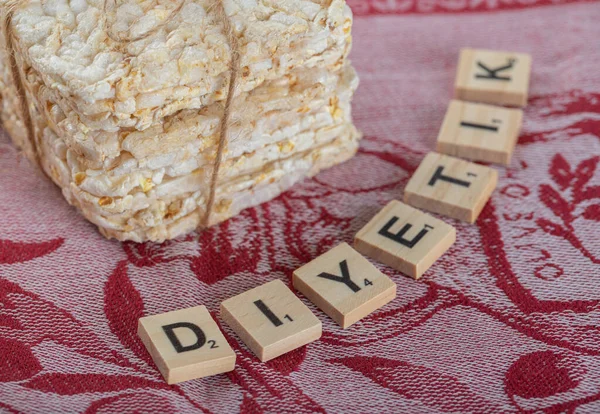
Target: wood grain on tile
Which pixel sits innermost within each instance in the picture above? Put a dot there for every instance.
(493, 77)
(480, 132)
(451, 186)
(405, 238)
(186, 344)
(271, 320)
(344, 285)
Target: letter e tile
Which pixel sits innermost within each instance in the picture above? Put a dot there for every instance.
(271, 320)
(405, 238)
(186, 344)
(493, 77)
(451, 186)
(344, 285)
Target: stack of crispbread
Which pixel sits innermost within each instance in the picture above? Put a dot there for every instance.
(127, 98)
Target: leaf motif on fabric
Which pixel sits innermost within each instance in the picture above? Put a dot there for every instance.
(249, 405)
(556, 203)
(560, 171)
(8, 408)
(507, 280)
(266, 389)
(18, 252)
(131, 403)
(584, 173)
(73, 384)
(218, 256)
(123, 306)
(18, 362)
(288, 363)
(149, 254)
(30, 319)
(592, 212)
(540, 374)
(424, 384)
(552, 228)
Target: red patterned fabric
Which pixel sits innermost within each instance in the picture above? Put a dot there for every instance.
(507, 321)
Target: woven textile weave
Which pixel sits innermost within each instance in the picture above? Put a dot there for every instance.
(507, 321)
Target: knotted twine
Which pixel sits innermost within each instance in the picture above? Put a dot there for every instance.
(12, 5)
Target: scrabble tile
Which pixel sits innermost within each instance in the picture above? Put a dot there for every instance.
(480, 132)
(405, 238)
(186, 344)
(493, 77)
(271, 320)
(451, 186)
(344, 285)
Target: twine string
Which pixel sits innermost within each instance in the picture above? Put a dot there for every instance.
(224, 124)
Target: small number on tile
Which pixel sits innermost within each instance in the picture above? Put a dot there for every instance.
(328, 282)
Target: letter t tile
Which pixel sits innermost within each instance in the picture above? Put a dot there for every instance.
(451, 186)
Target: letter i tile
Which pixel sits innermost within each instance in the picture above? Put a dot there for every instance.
(405, 238)
(480, 132)
(451, 186)
(271, 320)
(344, 285)
(186, 344)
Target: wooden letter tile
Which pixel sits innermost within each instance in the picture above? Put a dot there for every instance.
(405, 238)
(451, 186)
(344, 285)
(480, 132)
(493, 77)
(271, 320)
(186, 344)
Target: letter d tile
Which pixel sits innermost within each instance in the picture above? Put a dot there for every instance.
(186, 344)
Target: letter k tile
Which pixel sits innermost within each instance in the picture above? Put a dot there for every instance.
(493, 77)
